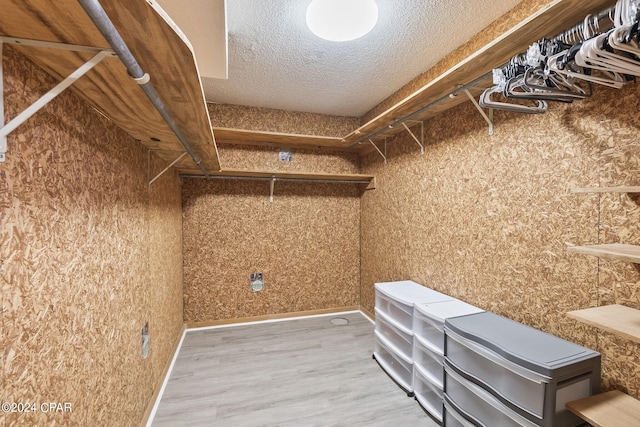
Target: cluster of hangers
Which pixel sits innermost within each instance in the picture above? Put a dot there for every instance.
(563, 69)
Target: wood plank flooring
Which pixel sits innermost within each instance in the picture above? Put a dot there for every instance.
(303, 372)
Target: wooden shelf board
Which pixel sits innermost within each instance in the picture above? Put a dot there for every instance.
(234, 136)
(617, 319)
(621, 189)
(162, 52)
(610, 409)
(156, 45)
(556, 17)
(552, 19)
(613, 251)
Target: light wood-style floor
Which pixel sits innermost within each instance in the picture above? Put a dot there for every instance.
(303, 372)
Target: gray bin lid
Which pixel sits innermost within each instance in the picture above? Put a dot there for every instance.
(530, 348)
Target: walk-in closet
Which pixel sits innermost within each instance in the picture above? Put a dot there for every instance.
(385, 212)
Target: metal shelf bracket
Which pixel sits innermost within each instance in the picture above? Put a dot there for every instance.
(415, 138)
(378, 150)
(6, 129)
(487, 118)
(167, 168)
(272, 184)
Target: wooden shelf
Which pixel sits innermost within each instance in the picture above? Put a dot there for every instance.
(551, 20)
(168, 58)
(275, 139)
(367, 180)
(622, 189)
(155, 43)
(617, 319)
(556, 17)
(610, 409)
(613, 251)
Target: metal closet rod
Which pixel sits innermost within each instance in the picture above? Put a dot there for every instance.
(96, 12)
(267, 178)
(577, 29)
(438, 101)
(600, 16)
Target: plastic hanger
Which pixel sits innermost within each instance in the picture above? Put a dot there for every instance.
(486, 101)
(595, 55)
(532, 82)
(554, 87)
(559, 64)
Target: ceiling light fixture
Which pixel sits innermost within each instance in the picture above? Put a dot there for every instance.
(341, 20)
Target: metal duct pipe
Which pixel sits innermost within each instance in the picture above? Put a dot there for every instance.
(96, 12)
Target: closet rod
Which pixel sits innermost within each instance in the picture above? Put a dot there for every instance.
(600, 16)
(577, 29)
(268, 178)
(438, 101)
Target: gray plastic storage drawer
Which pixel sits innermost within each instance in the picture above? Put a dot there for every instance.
(428, 395)
(402, 313)
(396, 337)
(396, 299)
(429, 318)
(399, 369)
(429, 361)
(530, 371)
(479, 405)
(452, 418)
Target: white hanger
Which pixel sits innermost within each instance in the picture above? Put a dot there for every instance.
(625, 13)
(592, 56)
(617, 40)
(486, 101)
(606, 78)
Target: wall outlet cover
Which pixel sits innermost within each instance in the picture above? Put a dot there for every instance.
(145, 340)
(285, 155)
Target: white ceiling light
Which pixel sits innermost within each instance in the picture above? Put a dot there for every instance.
(341, 20)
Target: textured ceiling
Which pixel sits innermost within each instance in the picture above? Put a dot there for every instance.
(276, 62)
(205, 25)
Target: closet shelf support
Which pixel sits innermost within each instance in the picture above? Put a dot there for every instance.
(487, 118)
(378, 150)
(167, 168)
(5, 130)
(415, 138)
(272, 184)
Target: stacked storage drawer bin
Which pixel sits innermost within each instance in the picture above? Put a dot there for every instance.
(428, 350)
(394, 327)
(501, 372)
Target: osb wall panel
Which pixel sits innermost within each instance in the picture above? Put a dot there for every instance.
(77, 228)
(305, 243)
(619, 283)
(483, 38)
(487, 219)
(262, 158)
(271, 120)
(164, 290)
